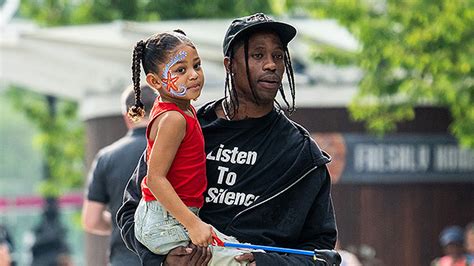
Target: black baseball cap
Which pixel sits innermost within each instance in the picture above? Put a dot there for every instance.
(258, 21)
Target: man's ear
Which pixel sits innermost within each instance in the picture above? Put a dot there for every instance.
(153, 80)
(227, 64)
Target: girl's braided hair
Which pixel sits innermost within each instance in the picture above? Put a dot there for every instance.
(151, 54)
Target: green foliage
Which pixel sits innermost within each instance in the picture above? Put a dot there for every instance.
(50, 12)
(61, 139)
(412, 52)
(15, 146)
(64, 12)
(182, 9)
(332, 55)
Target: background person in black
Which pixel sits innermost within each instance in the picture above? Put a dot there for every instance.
(6, 247)
(108, 176)
(267, 179)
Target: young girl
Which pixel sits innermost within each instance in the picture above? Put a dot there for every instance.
(176, 180)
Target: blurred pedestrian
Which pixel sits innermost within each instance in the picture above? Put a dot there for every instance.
(6, 247)
(469, 243)
(108, 176)
(49, 247)
(451, 240)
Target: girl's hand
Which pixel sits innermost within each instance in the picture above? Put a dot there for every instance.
(200, 234)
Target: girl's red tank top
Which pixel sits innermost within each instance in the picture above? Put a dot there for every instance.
(187, 173)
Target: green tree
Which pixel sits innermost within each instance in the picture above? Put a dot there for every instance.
(65, 12)
(61, 139)
(180, 9)
(412, 52)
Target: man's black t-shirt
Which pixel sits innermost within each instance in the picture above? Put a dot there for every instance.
(240, 172)
(108, 177)
(230, 167)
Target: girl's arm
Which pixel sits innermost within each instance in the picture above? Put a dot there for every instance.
(168, 131)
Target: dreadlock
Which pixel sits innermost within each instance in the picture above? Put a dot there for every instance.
(291, 81)
(230, 91)
(152, 53)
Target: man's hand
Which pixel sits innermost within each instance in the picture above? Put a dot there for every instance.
(190, 255)
(246, 257)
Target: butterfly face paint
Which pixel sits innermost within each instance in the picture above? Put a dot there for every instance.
(168, 80)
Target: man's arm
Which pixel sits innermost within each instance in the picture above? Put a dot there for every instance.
(319, 231)
(125, 215)
(95, 218)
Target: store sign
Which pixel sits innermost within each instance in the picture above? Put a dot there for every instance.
(398, 158)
